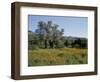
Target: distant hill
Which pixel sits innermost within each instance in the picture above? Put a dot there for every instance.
(73, 38)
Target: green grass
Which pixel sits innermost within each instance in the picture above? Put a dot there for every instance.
(62, 56)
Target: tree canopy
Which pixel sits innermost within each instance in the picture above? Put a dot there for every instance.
(48, 35)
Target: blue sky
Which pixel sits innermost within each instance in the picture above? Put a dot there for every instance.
(73, 26)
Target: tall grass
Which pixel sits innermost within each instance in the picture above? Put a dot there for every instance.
(61, 56)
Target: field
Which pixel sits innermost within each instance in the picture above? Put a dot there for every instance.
(62, 56)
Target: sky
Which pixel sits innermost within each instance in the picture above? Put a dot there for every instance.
(73, 26)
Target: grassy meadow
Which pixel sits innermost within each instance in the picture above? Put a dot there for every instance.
(58, 56)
